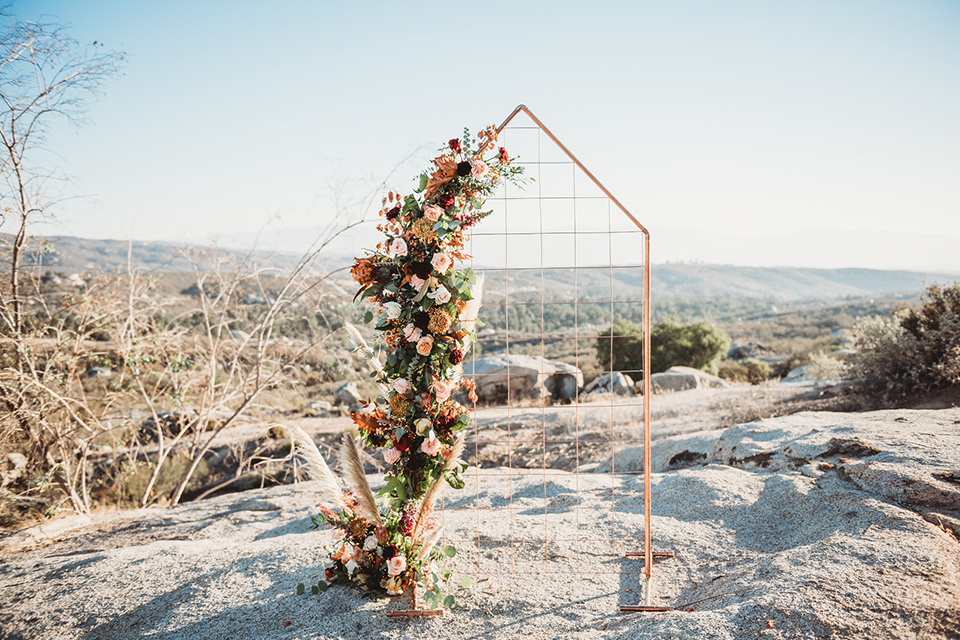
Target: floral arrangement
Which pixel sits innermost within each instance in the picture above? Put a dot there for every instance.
(425, 313)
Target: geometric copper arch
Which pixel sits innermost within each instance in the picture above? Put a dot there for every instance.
(647, 552)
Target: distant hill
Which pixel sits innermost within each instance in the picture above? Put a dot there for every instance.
(73, 255)
(76, 255)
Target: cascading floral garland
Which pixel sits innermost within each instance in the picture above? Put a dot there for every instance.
(425, 315)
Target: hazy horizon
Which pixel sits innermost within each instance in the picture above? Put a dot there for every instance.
(815, 134)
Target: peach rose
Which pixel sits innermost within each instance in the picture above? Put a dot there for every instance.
(391, 456)
(432, 212)
(431, 447)
(402, 385)
(425, 345)
(396, 565)
(478, 168)
(441, 262)
(412, 333)
(417, 282)
(398, 248)
(441, 390)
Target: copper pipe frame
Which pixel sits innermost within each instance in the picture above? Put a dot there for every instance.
(647, 552)
(418, 611)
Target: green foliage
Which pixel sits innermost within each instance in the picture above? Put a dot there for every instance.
(699, 345)
(747, 370)
(912, 352)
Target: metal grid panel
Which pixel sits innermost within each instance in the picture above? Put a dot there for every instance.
(564, 228)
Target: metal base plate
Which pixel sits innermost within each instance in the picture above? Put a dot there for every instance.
(415, 613)
(656, 554)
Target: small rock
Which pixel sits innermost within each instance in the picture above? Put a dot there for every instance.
(319, 409)
(348, 394)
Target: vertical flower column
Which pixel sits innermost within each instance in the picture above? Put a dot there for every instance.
(425, 313)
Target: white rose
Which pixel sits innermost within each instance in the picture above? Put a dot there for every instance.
(351, 567)
(440, 295)
(370, 543)
(422, 425)
(393, 310)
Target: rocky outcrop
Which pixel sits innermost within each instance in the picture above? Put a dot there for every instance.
(683, 379)
(815, 525)
(500, 376)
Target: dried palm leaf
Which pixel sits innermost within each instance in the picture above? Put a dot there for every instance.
(430, 496)
(471, 311)
(368, 354)
(430, 540)
(352, 469)
(316, 467)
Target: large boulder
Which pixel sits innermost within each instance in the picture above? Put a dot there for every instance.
(503, 376)
(684, 378)
(618, 383)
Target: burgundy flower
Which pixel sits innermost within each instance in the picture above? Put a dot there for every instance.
(421, 320)
(406, 524)
(504, 158)
(456, 357)
(422, 270)
(455, 145)
(393, 213)
(389, 552)
(402, 444)
(446, 199)
(463, 169)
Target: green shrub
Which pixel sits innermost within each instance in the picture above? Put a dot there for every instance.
(747, 370)
(914, 351)
(699, 345)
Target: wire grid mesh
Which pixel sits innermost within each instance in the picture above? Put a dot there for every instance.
(561, 260)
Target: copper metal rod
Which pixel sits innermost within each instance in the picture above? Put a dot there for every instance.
(572, 157)
(648, 545)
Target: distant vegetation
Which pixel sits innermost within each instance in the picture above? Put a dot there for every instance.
(699, 345)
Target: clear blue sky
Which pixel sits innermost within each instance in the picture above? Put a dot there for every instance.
(742, 118)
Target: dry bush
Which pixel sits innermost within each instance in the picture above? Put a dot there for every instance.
(912, 352)
(131, 420)
(822, 366)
